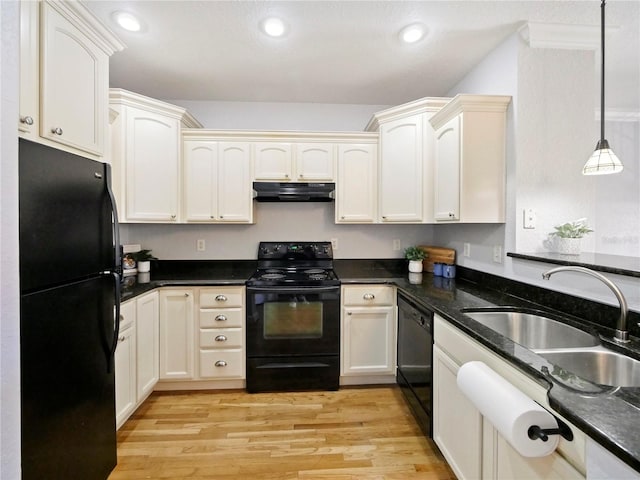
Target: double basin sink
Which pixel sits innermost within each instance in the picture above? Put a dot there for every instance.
(574, 350)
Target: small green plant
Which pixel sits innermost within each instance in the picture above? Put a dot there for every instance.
(142, 256)
(575, 229)
(414, 253)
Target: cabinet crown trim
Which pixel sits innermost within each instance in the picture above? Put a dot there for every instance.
(470, 103)
(279, 136)
(119, 96)
(422, 105)
(83, 19)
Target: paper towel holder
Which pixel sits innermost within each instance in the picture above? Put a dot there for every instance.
(563, 430)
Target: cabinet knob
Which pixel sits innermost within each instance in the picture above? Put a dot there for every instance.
(211, 217)
(220, 318)
(286, 175)
(27, 120)
(121, 317)
(368, 296)
(221, 217)
(301, 175)
(56, 131)
(451, 215)
(221, 363)
(221, 298)
(173, 217)
(220, 338)
(121, 338)
(348, 313)
(342, 217)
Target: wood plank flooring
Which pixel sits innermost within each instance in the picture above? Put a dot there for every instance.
(354, 433)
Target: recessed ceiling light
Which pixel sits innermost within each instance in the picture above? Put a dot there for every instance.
(127, 21)
(274, 27)
(412, 33)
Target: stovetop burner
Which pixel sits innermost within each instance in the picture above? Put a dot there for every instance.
(294, 264)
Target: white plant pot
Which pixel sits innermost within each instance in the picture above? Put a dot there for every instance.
(568, 246)
(415, 266)
(144, 266)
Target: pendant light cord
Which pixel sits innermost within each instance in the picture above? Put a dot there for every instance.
(602, 73)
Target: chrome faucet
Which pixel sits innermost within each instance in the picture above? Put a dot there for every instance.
(622, 334)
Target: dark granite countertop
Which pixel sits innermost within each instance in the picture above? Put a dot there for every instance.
(608, 415)
(618, 264)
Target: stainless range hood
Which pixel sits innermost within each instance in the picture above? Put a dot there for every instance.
(293, 192)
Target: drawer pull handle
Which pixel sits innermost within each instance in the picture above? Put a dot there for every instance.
(56, 131)
(221, 298)
(368, 296)
(27, 120)
(220, 338)
(221, 318)
(221, 363)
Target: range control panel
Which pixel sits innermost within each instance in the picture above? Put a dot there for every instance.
(295, 250)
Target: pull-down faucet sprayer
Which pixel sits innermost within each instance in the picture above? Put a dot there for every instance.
(622, 334)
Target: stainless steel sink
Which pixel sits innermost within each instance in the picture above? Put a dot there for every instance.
(533, 331)
(598, 365)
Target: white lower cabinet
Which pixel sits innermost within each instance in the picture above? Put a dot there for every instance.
(471, 445)
(369, 325)
(177, 334)
(125, 363)
(147, 343)
(221, 335)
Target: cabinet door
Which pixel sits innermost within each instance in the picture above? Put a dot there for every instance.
(74, 85)
(176, 334)
(447, 172)
(368, 340)
(235, 200)
(356, 198)
(315, 162)
(29, 82)
(148, 343)
(457, 424)
(152, 166)
(200, 180)
(401, 158)
(273, 161)
(125, 364)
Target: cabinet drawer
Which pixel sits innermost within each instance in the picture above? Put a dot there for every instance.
(127, 314)
(222, 318)
(221, 363)
(222, 297)
(363, 295)
(221, 338)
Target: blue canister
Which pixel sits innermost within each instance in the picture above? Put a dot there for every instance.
(449, 271)
(437, 269)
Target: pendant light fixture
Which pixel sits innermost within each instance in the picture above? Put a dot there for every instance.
(603, 161)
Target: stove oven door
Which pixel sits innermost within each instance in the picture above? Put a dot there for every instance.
(293, 338)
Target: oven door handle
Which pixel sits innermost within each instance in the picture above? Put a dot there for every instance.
(294, 290)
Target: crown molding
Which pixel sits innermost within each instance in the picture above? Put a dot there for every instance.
(562, 36)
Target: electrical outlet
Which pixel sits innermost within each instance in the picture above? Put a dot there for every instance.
(397, 245)
(466, 250)
(529, 218)
(334, 243)
(200, 245)
(497, 253)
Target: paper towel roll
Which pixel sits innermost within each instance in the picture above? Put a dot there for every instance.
(509, 410)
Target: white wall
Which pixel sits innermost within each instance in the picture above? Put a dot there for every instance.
(9, 288)
(280, 116)
(275, 222)
(551, 133)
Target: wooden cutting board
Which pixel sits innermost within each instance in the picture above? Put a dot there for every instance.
(437, 255)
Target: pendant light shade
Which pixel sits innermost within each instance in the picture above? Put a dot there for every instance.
(603, 161)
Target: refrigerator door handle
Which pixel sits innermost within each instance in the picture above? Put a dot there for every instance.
(116, 323)
(114, 214)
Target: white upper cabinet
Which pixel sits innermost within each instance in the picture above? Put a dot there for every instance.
(469, 174)
(217, 179)
(146, 157)
(64, 67)
(405, 168)
(287, 157)
(356, 196)
(315, 162)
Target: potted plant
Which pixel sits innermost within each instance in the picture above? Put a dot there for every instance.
(568, 236)
(415, 255)
(143, 259)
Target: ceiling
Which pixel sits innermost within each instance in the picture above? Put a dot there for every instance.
(345, 52)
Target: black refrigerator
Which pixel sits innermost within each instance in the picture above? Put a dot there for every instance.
(69, 307)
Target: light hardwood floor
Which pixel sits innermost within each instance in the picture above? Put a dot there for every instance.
(354, 433)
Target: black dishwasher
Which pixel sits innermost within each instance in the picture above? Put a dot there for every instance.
(415, 358)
